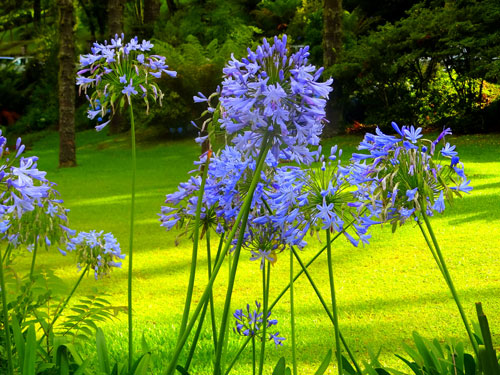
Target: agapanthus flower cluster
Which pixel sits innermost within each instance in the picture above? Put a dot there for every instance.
(229, 173)
(333, 201)
(30, 210)
(97, 250)
(407, 175)
(273, 95)
(120, 70)
(249, 323)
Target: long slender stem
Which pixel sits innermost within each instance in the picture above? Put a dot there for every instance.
(246, 210)
(238, 356)
(66, 301)
(265, 292)
(253, 354)
(194, 257)
(6, 329)
(131, 242)
(196, 337)
(211, 296)
(431, 248)
(334, 301)
(203, 312)
(33, 259)
(449, 280)
(292, 317)
(246, 205)
(325, 307)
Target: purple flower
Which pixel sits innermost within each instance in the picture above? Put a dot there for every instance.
(272, 94)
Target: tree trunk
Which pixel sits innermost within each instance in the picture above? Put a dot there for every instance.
(332, 47)
(115, 16)
(151, 13)
(172, 7)
(37, 11)
(67, 88)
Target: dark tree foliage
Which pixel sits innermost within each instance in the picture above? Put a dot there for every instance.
(428, 68)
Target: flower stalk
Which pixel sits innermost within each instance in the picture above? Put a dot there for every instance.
(334, 302)
(194, 257)
(292, 317)
(246, 206)
(449, 281)
(10, 363)
(243, 222)
(131, 241)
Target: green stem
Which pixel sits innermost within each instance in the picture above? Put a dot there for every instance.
(66, 301)
(203, 313)
(196, 235)
(196, 336)
(211, 296)
(334, 301)
(265, 292)
(431, 248)
(253, 355)
(238, 356)
(131, 242)
(10, 363)
(325, 307)
(246, 211)
(32, 270)
(246, 204)
(449, 281)
(292, 312)
(313, 259)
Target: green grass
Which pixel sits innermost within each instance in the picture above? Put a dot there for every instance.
(385, 290)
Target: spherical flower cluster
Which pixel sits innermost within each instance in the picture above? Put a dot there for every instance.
(96, 250)
(250, 323)
(276, 96)
(118, 70)
(407, 177)
(30, 209)
(288, 203)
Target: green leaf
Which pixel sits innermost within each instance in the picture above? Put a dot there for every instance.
(29, 362)
(346, 366)
(324, 365)
(18, 338)
(142, 365)
(144, 344)
(62, 360)
(469, 364)
(182, 370)
(280, 367)
(102, 352)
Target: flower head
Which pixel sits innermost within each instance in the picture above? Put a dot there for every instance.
(101, 252)
(119, 70)
(406, 179)
(276, 96)
(249, 322)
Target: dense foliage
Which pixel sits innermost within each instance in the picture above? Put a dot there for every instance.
(429, 63)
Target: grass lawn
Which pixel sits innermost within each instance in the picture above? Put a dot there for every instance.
(386, 290)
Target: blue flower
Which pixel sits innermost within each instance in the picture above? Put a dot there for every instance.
(101, 252)
(112, 65)
(449, 151)
(412, 134)
(278, 341)
(270, 93)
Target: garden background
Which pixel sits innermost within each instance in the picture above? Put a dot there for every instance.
(433, 64)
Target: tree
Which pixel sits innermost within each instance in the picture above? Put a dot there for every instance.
(67, 91)
(115, 16)
(332, 46)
